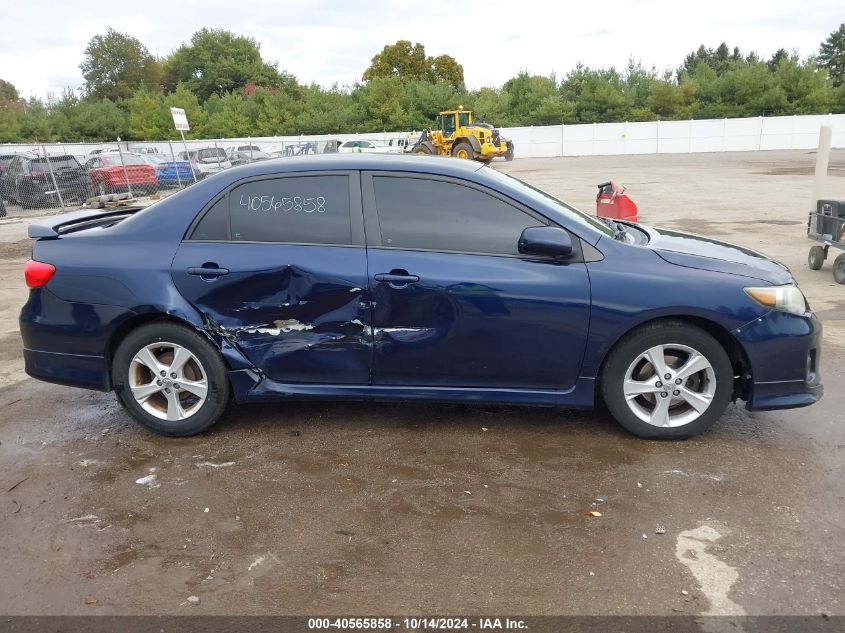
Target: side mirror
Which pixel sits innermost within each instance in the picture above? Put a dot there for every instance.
(545, 240)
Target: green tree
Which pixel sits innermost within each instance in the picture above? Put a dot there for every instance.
(446, 68)
(73, 119)
(10, 120)
(8, 92)
(805, 85)
(385, 101)
(146, 120)
(329, 111)
(116, 65)
(217, 61)
(408, 62)
(669, 100)
(527, 93)
(35, 122)
(184, 98)
(832, 55)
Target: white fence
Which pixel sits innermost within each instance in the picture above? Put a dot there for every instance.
(598, 139)
(676, 137)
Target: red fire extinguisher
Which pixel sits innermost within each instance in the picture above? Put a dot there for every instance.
(612, 202)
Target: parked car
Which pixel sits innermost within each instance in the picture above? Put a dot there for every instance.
(242, 148)
(206, 161)
(103, 150)
(168, 172)
(242, 158)
(139, 149)
(27, 180)
(368, 147)
(113, 173)
(5, 159)
(415, 279)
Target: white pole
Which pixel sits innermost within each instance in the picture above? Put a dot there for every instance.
(822, 160)
(657, 138)
(125, 171)
(175, 164)
(188, 156)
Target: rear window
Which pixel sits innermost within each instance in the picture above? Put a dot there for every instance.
(211, 154)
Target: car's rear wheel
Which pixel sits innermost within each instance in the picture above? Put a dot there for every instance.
(668, 380)
(171, 379)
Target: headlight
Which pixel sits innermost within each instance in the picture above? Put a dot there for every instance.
(784, 298)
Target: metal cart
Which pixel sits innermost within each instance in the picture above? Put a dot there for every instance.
(827, 225)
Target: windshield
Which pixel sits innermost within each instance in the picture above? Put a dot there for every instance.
(463, 119)
(541, 196)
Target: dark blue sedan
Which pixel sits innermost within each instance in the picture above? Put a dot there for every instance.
(407, 278)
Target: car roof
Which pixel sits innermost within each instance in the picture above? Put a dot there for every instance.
(32, 155)
(389, 162)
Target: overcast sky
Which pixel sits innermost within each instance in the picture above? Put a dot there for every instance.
(328, 41)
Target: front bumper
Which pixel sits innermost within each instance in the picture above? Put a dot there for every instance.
(785, 354)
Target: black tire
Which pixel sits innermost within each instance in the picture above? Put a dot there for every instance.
(839, 269)
(103, 189)
(668, 333)
(463, 148)
(422, 149)
(27, 199)
(210, 363)
(815, 259)
(509, 153)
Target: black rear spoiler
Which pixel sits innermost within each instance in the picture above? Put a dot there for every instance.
(76, 221)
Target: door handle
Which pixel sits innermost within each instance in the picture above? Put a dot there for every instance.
(208, 271)
(397, 278)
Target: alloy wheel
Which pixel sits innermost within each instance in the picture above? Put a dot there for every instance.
(168, 381)
(669, 385)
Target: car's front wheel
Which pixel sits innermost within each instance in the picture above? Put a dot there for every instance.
(171, 379)
(668, 380)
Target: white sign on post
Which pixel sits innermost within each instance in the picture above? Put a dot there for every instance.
(180, 119)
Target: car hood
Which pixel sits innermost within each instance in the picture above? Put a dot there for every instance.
(704, 253)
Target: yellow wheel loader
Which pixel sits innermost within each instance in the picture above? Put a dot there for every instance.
(461, 137)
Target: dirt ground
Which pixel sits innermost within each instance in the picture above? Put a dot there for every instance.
(334, 508)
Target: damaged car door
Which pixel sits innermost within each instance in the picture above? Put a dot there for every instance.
(456, 304)
(277, 266)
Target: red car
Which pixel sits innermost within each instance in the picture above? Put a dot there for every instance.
(109, 174)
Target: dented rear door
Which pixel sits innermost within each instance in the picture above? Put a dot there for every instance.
(277, 266)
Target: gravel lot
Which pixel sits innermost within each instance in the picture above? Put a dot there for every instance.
(316, 508)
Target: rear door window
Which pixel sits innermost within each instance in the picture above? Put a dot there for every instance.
(295, 209)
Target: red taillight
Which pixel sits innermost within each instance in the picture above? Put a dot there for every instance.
(37, 273)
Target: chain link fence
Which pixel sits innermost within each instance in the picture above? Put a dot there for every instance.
(37, 178)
